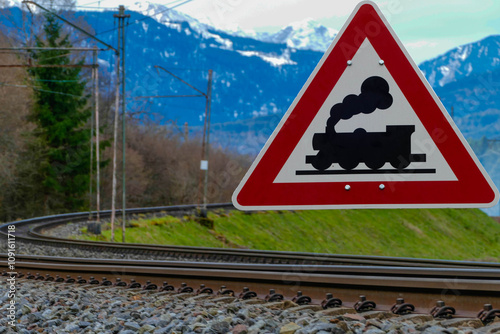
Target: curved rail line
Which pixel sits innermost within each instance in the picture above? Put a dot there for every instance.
(31, 230)
(390, 284)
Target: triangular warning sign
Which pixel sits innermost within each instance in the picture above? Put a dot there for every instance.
(366, 131)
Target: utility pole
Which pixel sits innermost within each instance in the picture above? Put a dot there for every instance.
(91, 183)
(95, 119)
(98, 167)
(206, 130)
(121, 16)
(205, 145)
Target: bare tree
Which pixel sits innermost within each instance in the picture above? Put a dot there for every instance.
(15, 103)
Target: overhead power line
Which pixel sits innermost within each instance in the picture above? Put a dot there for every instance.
(163, 11)
(144, 18)
(83, 6)
(38, 89)
(93, 2)
(49, 80)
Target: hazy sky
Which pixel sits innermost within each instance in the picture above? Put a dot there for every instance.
(426, 27)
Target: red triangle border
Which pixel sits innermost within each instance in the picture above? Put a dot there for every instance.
(474, 188)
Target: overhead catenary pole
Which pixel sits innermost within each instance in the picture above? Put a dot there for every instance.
(115, 136)
(98, 167)
(206, 130)
(91, 183)
(124, 113)
(207, 115)
(121, 46)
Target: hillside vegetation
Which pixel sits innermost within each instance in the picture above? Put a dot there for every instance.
(460, 234)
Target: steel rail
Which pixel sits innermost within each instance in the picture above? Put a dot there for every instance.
(382, 284)
(446, 273)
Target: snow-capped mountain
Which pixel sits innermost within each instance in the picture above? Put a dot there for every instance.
(464, 61)
(306, 35)
(467, 79)
(8, 3)
(170, 17)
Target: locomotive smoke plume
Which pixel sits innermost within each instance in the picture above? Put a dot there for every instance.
(374, 94)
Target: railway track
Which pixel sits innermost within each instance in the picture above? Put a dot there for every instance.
(32, 231)
(390, 285)
(398, 291)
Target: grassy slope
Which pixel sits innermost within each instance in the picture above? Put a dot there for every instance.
(466, 234)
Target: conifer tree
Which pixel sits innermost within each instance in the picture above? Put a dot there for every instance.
(60, 113)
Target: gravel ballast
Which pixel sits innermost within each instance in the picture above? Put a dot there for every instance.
(47, 307)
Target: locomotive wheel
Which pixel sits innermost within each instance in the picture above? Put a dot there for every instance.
(348, 164)
(375, 163)
(400, 163)
(321, 161)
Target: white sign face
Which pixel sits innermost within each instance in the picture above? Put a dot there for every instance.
(365, 64)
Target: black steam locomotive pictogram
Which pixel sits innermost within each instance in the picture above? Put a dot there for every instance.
(375, 149)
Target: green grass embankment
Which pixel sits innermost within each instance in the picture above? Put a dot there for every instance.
(461, 234)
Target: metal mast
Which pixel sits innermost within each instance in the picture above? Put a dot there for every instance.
(121, 16)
